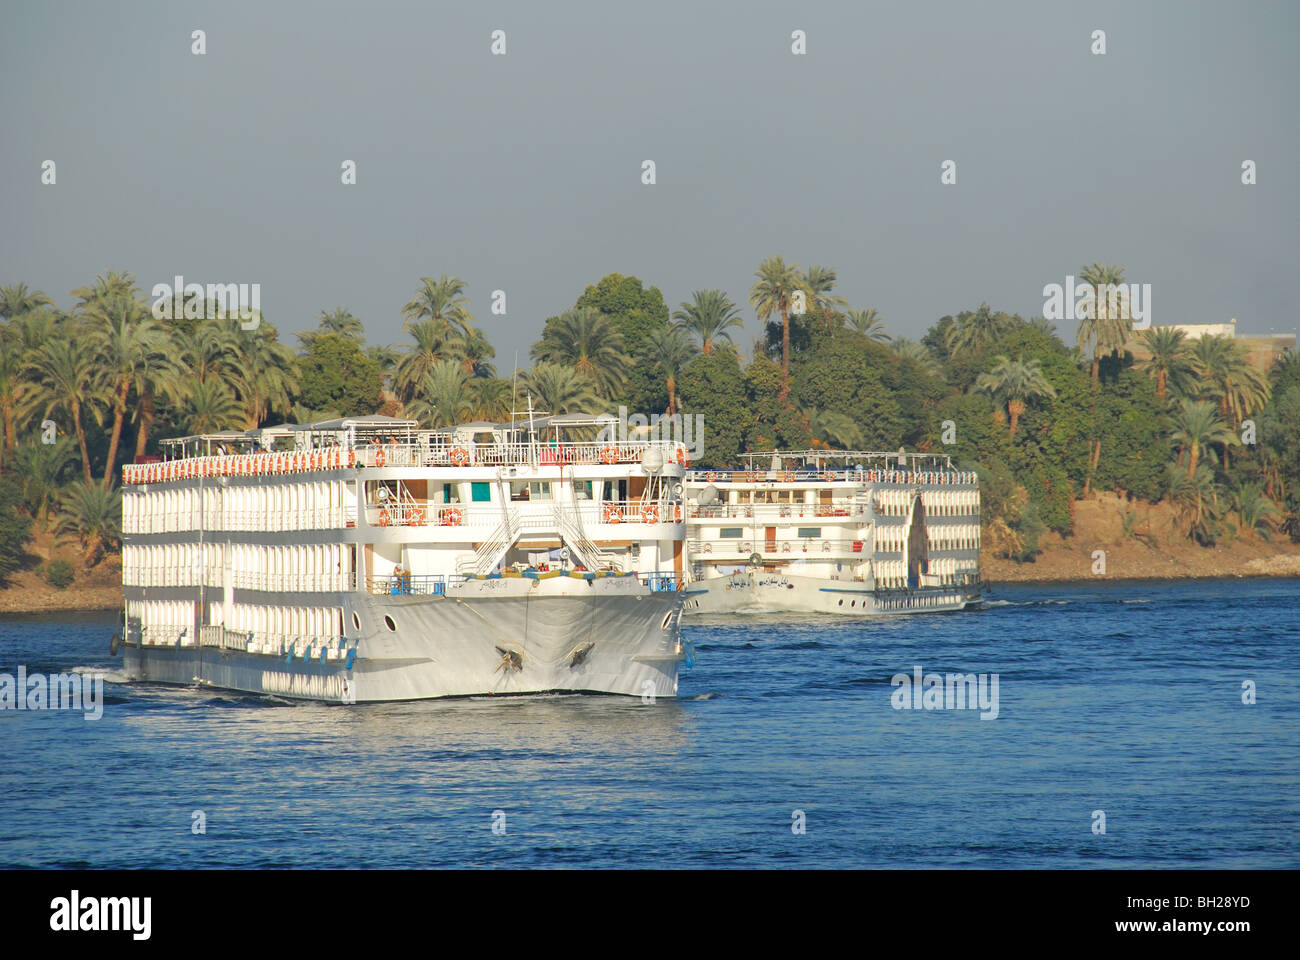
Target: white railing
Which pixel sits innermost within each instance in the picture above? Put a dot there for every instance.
(820, 511)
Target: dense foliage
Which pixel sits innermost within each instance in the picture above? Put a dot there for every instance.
(1045, 418)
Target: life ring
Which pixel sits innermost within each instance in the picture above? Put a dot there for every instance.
(785, 547)
(384, 518)
(650, 514)
(828, 477)
(609, 455)
(708, 548)
(460, 456)
(380, 458)
(711, 476)
(452, 517)
(352, 457)
(788, 476)
(416, 516)
(613, 514)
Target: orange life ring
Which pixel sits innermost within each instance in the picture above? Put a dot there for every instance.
(384, 518)
(650, 513)
(828, 476)
(379, 457)
(352, 457)
(460, 456)
(613, 514)
(711, 476)
(609, 455)
(788, 476)
(452, 517)
(415, 515)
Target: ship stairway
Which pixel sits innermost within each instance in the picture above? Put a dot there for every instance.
(492, 550)
(571, 530)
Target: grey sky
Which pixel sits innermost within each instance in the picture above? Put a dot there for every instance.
(522, 172)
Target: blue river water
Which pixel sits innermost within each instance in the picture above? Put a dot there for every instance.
(1121, 699)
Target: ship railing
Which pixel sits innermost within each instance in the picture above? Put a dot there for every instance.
(939, 478)
(408, 584)
(804, 548)
(728, 511)
(529, 514)
(472, 454)
(337, 582)
(665, 582)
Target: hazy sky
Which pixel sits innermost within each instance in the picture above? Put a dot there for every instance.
(523, 172)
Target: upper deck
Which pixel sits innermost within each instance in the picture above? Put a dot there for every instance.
(384, 442)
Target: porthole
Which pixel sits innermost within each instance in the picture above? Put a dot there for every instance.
(841, 603)
(356, 620)
(388, 622)
(668, 617)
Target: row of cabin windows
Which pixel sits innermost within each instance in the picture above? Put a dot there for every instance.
(737, 533)
(521, 490)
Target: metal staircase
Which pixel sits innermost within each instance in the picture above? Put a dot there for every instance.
(570, 526)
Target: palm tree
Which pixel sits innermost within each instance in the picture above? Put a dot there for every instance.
(869, 323)
(268, 375)
(491, 399)
(42, 468)
(128, 341)
(1254, 509)
(341, 321)
(1170, 359)
(434, 341)
(443, 302)
(1221, 364)
(776, 286)
(584, 339)
(671, 350)
(1103, 329)
(559, 389)
(63, 370)
(709, 317)
(92, 514)
(444, 396)
(476, 354)
(829, 429)
(974, 330)
(1015, 383)
(211, 407)
(1197, 427)
(108, 286)
(919, 354)
(1196, 498)
(818, 282)
(16, 300)
(22, 334)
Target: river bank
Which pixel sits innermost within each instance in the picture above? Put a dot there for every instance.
(1148, 546)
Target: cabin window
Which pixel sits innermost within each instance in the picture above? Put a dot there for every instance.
(582, 489)
(539, 490)
(810, 531)
(730, 533)
(481, 492)
(450, 493)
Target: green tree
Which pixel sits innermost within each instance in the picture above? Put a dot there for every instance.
(713, 386)
(556, 388)
(443, 303)
(1016, 384)
(64, 372)
(671, 350)
(93, 515)
(337, 374)
(1169, 358)
(869, 323)
(1197, 428)
(15, 527)
(585, 339)
(1104, 321)
(709, 316)
(773, 294)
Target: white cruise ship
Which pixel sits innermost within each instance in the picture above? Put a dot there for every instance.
(364, 559)
(840, 532)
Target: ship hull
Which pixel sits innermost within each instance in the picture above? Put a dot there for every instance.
(464, 643)
(781, 593)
